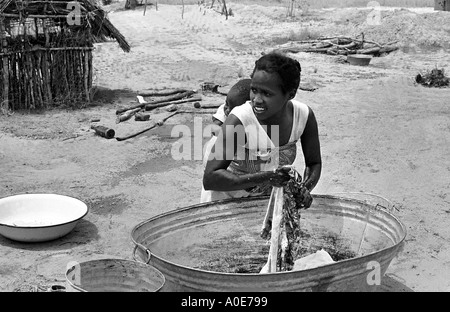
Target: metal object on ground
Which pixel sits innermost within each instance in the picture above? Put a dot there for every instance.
(39, 217)
(359, 59)
(113, 275)
(104, 131)
(184, 242)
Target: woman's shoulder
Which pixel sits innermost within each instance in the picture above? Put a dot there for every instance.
(300, 105)
(301, 111)
(243, 109)
(301, 114)
(244, 113)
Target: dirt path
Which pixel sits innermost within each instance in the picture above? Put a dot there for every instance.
(380, 134)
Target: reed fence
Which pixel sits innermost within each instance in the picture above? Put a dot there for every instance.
(45, 77)
(46, 51)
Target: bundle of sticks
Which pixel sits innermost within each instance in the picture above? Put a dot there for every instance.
(340, 45)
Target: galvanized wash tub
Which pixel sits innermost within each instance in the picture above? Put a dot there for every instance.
(113, 275)
(184, 242)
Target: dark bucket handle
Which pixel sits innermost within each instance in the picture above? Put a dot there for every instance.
(149, 254)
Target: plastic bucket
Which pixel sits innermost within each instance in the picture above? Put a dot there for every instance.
(185, 244)
(113, 275)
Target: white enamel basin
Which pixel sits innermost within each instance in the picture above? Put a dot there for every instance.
(39, 217)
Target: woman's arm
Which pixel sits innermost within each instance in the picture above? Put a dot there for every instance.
(311, 152)
(218, 119)
(216, 176)
(216, 126)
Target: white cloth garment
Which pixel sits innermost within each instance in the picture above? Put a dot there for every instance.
(220, 113)
(275, 208)
(317, 259)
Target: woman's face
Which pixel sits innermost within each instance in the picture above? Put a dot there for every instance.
(266, 95)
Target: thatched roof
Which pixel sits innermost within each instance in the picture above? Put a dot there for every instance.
(93, 19)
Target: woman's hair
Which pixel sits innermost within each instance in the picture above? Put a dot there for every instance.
(287, 68)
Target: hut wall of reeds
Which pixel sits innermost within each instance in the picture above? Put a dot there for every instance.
(46, 51)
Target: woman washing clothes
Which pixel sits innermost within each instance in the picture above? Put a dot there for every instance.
(259, 138)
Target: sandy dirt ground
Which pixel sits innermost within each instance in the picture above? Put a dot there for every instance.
(380, 132)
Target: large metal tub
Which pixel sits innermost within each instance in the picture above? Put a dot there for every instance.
(180, 243)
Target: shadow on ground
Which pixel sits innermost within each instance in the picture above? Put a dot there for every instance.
(84, 232)
(390, 284)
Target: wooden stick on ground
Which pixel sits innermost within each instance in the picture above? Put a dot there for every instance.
(153, 105)
(177, 96)
(159, 123)
(205, 106)
(127, 115)
(161, 93)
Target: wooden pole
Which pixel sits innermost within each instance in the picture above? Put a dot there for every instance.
(46, 76)
(161, 93)
(151, 106)
(65, 73)
(38, 79)
(15, 99)
(91, 74)
(29, 68)
(225, 9)
(86, 75)
(182, 9)
(25, 81)
(4, 100)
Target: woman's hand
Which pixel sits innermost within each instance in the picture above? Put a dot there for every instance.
(279, 177)
(307, 199)
(215, 129)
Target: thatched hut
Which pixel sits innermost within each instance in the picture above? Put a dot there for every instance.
(46, 51)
